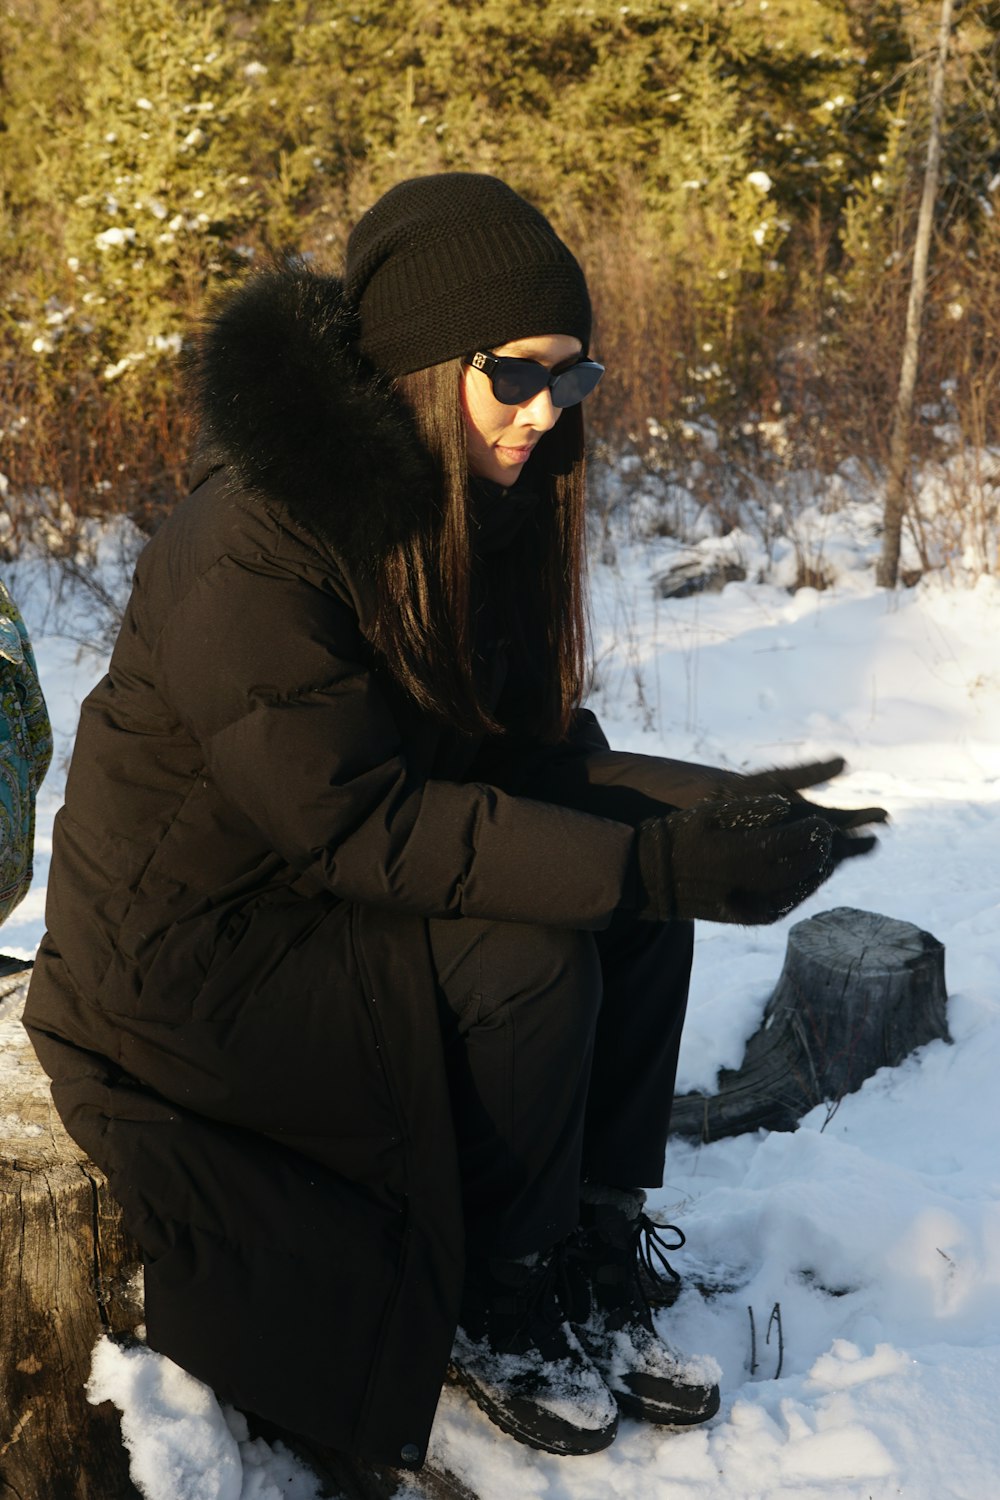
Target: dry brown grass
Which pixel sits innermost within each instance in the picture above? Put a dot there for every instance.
(81, 448)
(822, 370)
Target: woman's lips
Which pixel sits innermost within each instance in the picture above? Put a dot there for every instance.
(515, 455)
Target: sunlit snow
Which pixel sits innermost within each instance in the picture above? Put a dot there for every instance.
(875, 1228)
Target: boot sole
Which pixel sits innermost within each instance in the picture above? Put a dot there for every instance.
(580, 1444)
(664, 1416)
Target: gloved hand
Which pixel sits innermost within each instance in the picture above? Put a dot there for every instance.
(748, 860)
(785, 782)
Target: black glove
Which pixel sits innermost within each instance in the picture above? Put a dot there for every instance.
(748, 860)
(785, 782)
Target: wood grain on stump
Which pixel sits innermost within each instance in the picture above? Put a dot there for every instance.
(67, 1273)
(858, 992)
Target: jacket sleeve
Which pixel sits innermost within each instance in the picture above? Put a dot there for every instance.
(266, 672)
(583, 772)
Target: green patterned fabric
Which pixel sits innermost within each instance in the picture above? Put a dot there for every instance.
(25, 752)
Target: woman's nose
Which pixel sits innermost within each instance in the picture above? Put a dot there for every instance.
(540, 412)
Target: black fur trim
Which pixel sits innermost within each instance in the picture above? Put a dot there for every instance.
(296, 417)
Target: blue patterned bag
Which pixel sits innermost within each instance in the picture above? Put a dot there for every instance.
(25, 752)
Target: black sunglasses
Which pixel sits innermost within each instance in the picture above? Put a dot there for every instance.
(518, 380)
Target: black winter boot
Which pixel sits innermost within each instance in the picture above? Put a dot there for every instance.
(612, 1320)
(518, 1358)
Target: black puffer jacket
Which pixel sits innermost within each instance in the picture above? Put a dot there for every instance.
(235, 999)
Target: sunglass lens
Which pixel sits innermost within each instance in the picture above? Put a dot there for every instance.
(578, 381)
(517, 380)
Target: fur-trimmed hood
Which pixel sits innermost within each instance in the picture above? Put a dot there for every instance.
(292, 412)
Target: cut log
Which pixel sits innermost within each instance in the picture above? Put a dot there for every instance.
(67, 1273)
(858, 992)
(694, 572)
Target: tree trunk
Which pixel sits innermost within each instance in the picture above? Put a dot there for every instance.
(67, 1274)
(858, 992)
(902, 421)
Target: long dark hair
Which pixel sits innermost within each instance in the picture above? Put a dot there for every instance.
(424, 623)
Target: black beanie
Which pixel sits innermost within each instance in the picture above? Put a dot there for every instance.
(446, 264)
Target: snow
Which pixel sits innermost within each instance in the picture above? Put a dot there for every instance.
(171, 1424)
(869, 1239)
(182, 1446)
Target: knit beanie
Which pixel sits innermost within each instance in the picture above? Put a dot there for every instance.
(446, 264)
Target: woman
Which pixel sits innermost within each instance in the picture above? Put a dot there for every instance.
(368, 959)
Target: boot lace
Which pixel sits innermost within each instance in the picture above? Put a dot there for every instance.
(532, 1308)
(658, 1280)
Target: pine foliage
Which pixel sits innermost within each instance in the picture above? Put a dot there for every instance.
(154, 199)
(738, 175)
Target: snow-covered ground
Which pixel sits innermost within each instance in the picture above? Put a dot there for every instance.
(877, 1230)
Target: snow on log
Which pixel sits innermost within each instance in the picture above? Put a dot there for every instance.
(858, 992)
(67, 1274)
(689, 572)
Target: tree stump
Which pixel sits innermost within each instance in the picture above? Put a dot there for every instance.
(68, 1273)
(858, 992)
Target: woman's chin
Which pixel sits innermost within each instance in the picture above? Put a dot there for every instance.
(502, 465)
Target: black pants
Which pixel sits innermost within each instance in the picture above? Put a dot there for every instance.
(561, 1049)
